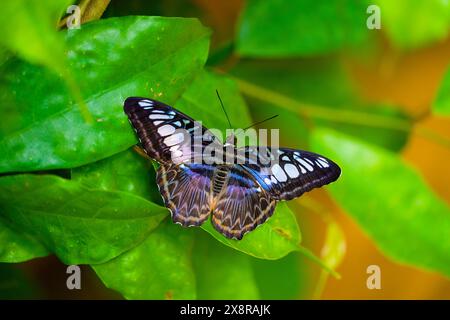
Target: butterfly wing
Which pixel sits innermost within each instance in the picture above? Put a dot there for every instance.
(166, 134)
(186, 191)
(293, 172)
(242, 205)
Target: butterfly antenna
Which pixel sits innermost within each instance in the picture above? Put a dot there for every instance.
(223, 108)
(270, 118)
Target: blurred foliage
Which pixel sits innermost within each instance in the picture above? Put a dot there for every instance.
(278, 28)
(390, 201)
(14, 284)
(415, 23)
(286, 58)
(442, 102)
(30, 30)
(320, 92)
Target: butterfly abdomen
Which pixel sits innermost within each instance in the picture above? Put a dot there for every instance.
(219, 179)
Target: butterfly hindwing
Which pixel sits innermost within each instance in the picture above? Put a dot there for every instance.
(166, 134)
(186, 192)
(242, 205)
(293, 172)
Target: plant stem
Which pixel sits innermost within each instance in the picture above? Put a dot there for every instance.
(337, 115)
(320, 112)
(309, 254)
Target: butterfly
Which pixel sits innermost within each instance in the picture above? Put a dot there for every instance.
(238, 196)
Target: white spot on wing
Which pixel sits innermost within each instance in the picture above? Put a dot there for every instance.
(305, 164)
(166, 129)
(291, 170)
(145, 103)
(174, 139)
(160, 116)
(323, 162)
(177, 154)
(279, 173)
(267, 181)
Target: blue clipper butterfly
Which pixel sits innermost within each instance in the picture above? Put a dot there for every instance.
(237, 196)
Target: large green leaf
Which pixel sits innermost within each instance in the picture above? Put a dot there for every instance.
(277, 28)
(78, 224)
(29, 29)
(222, 273)
(280, 279)
(431, 21)
(159, 268)
(110, 59)
(126, 171)
(390, 201)
(441, 104)
(18, 246)
(272, 240)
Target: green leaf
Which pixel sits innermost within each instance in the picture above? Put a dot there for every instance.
(431, 21)
(17, 246)
(272, 240)
(148, 56)
(277, 28)
(390, 201)
(281, 279)
(29, 28)
(159, 268)
(78, 224)
(126, 171)
(222, 273)
(441, 104)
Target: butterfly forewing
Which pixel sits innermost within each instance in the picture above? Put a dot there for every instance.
(290, 173)
(166, 134)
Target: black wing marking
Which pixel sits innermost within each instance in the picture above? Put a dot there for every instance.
(291, 172)
(166, 134)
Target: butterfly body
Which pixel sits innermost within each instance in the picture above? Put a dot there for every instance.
(198, 178)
